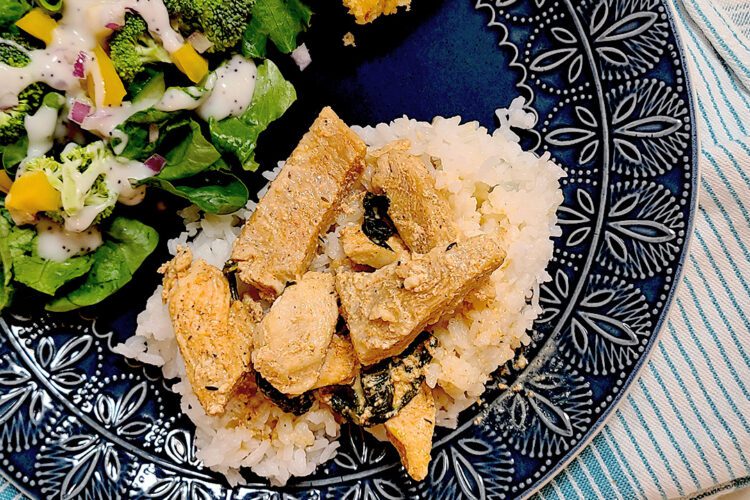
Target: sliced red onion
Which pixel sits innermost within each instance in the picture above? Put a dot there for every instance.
(78, 112)
(113, 26)
(155, 162)
(79, 67)
(199, 42)
(153, 132)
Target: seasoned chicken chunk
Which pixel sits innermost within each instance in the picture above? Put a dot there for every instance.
(292, 340)
(278, 242)
(213, 333)
(411, 432)
(361, 250)
(366, 11)
(419, 212)
(386, 309)
(340, 365)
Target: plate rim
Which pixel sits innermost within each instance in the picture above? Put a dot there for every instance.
(635, 373)
(679, 270)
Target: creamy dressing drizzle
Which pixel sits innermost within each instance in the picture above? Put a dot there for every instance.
(55, 243)
(40, 130)
(232, 90)
(82, 26)
(118, 174)
(104, 120)
(121, 173)
(45, 66)
(178, 98)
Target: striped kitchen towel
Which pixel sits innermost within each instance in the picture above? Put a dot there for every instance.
(726, 25)
(684, 428)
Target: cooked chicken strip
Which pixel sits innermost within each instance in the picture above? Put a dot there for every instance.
(419, 212)
(340, 365)
(411, 432)
(278, 242)
(366, 11)
(214, 335)
(361, 250)
(387, 309)
(292, 340)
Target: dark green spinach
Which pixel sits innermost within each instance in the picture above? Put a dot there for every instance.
(378, 226)
(127, 244)
(281, 21)
(238, 135)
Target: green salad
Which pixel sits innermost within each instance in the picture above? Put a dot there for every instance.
(104, 100)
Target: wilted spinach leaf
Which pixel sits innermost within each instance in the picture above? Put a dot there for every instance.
(239, 135)
(191, 156)
(377, 226)
(214, 191)
(278, 20)
(47, 276)
(127, 244)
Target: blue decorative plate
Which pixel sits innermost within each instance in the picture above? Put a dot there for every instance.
(609, 87)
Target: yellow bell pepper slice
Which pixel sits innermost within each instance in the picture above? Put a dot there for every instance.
(38, 24)
(112, 88)
(190, 62)
(32, 193)
(5, 181)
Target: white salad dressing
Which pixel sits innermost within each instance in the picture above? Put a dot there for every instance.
(55, 243)
(105, 118)
(232, 91)
(179, 98)
(117, 172)
(82, 26)
(84, 23)
(121, 173)
(45, 66)
(40, 130)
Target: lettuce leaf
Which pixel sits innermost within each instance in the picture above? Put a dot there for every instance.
(21, 264)
(47, 276)
(136, 128)
(278, 20)
(11, 11)
(6, 294)
(191, 156)
(6, 262)
(239, 135)
(127, 244)
(215, 192)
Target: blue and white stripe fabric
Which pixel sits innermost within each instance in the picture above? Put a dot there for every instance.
(684, 428)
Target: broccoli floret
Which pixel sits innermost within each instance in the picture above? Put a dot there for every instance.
(44, 163)
(13, 54)
(29, 100)
(80, 177)
(131, 48)
(84, 154)
(222, 22)
(11, 11)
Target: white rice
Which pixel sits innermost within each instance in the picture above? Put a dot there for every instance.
(492, 186)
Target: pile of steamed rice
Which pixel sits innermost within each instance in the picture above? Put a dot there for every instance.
(492, 185)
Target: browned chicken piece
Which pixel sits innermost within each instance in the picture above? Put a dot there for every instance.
(420, 213)
(361, 250)
(340, 365)
(411, 432)
(214, 335)
(278, 242)
(366, 11)
(386, 309)
(292, 340)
